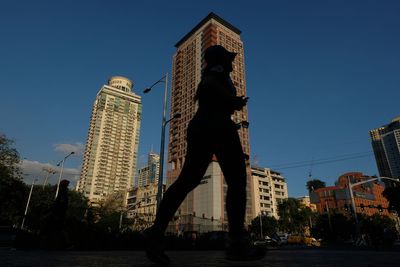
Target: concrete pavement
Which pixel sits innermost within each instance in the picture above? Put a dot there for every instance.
(275, 258)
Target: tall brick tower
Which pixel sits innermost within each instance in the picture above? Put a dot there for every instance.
(208, 199)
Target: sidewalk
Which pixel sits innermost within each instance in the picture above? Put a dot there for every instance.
(275, 258)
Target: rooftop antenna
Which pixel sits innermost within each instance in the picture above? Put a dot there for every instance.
(311, 168)
(255, 161)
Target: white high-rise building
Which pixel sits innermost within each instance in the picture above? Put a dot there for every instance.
(110, 158)
(270, 189)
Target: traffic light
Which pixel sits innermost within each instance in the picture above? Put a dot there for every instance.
(362, 206)
(346, 207)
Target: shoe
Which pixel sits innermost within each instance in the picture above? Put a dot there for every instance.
(241, 249)
(153, 245)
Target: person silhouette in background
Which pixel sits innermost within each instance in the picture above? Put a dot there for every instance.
(210, 132)
(53, 233)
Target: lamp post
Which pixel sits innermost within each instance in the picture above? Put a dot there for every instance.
(61, 172)
(261, 230)
(164, 122)
(27, 203)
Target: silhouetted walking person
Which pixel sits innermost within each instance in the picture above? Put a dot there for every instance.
(210, 132)
(53, 232)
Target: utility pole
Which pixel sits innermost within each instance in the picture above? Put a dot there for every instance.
(49, 171)
(27, 203)
(329, 216)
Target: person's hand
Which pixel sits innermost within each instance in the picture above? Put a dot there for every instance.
(239, 102)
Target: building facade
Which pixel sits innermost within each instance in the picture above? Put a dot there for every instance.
(386, 145)
(149, 173)
(109, 162)
(142, 205)
(187, 65)
(270, 189)
(368, 197)
(306, 202)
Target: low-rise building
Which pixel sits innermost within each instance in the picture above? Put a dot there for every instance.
(142, 205)
(368, 197)
(305, 201)
(270, 188)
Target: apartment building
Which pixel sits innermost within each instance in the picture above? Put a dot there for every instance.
(270, 189)
(187, 65)
(110, 158)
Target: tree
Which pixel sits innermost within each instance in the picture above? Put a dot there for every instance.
(315, 184)
(340, 227)
(380, 229)
(42, 201)
(269, 225)
(9, 158)
(293, 216)
(13, 192)
(393, 195)
(109, 211)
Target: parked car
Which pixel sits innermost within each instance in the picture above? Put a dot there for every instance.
(304, 240)
(282, 239)
(267, 241)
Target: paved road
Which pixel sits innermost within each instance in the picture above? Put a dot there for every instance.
(275, 258)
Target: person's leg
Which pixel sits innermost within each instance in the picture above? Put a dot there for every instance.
(230, 156)
(197, 159)
(193, 169)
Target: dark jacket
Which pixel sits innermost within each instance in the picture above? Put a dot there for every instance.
(217, 97)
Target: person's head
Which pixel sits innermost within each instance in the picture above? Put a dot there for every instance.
(218, 55)
(64, 184)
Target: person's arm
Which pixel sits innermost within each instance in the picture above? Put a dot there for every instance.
(217, 94)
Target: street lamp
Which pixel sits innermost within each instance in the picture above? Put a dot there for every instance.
(61, 172)
(164, 122)
(261, 230)
(27, 203)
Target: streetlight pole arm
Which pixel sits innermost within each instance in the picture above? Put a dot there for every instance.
(362, 182)
(388, 178)
(163, 79)
(61, 172)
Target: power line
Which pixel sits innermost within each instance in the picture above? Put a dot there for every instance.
(321, 161)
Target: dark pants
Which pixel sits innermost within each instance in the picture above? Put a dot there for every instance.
(204, 139)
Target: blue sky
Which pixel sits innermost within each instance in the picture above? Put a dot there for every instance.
(320, 75)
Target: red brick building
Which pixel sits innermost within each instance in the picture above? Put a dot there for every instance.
(368, 197)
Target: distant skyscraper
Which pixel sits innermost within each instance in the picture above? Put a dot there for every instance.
(149, 173)
(188, 62)
(386, 144)
(109, 163)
